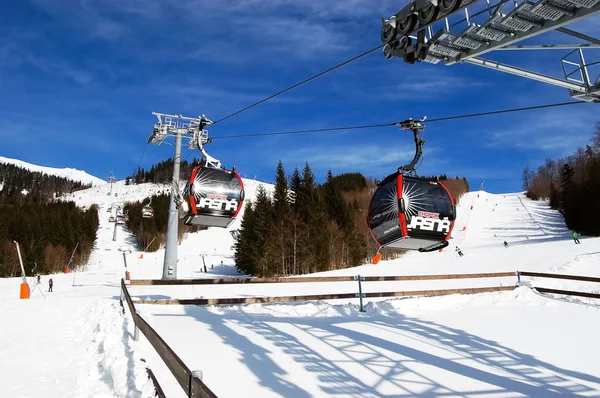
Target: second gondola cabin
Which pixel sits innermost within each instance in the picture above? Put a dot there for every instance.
(411, 213)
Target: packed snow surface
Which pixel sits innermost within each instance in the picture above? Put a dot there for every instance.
(71, 174)
(75, 341)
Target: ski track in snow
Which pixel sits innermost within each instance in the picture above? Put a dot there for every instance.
(76, 342)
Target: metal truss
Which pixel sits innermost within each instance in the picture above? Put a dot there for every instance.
(504, 25)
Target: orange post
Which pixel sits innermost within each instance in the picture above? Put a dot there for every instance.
(142, 255)
(66, 270)
(377, 258)
(25, 291)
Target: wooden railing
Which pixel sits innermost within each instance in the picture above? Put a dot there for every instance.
(194, 387)
(191, 384)
(564, 277)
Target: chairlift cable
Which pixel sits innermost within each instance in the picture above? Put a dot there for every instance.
(355, 58)
(442, 119)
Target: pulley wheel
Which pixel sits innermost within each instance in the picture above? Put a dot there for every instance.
(407, 25)
(427, 15)
(388, 33)
(447, 6)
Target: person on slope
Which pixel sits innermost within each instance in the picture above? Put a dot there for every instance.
(505, 244)
(575, 237)
(50, 284)
(460, 253)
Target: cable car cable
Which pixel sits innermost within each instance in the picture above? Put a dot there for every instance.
(442, 119)
(355, 58)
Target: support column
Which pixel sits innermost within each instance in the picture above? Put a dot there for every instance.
(170, 264)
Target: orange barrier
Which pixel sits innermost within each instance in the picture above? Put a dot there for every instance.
(377, 258)
(66, 270)
(142, 255)
(465, 228)
(25, 292)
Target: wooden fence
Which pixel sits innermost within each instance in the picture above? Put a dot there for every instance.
(561, 276)
(190, 382)
(193, 385)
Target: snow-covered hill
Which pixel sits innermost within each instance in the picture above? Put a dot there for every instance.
(505, 344)
(71, 174)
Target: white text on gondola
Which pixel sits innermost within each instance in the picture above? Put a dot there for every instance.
(430, 224)
(218, 204)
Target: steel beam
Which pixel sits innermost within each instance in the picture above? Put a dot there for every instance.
(578, 14)
(578, 35)
(549, 47)
(526, 73)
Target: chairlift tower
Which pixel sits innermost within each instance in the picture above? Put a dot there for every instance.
(178, 126)
(462, 31)
(111, 180)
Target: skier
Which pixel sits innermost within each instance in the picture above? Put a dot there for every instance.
(505, 244)
(50, 284)
(212, 266)
(39, 279)
(575, 237)
(460, 253)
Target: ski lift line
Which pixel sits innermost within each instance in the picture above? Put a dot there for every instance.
(442, 119)
(355, 58)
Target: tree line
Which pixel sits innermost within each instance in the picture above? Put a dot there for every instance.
(162, 172)
(47, 230)
(47, 234)
(571, 185)
(318, 228)
(21, 186)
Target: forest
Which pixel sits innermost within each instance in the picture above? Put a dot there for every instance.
(48, 230)
(322, 228)
(162, 172)
(19, 185)
(571, 185)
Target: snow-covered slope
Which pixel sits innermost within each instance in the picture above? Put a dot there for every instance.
(71, 174)
(495, 344)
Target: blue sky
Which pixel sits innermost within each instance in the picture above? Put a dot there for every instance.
(80, 78)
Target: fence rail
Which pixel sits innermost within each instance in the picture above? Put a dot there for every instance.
(567, 292)
(281, 299)
(234, 281)
(560, 276)
(192, 385)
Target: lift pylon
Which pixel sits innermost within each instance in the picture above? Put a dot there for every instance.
(462, 31)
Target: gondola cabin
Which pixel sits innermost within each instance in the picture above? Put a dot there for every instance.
(411, 213)
(215, 197)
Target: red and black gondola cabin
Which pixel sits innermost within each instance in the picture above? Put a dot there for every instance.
(215, 197)
(411, 213)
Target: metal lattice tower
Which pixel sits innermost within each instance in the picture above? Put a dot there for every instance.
(461, 31)
(178, 126)
(111, 180)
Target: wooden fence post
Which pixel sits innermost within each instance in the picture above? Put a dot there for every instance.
(518, 278)
(360, 294)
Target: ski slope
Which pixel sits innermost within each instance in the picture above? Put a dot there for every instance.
(75, 342)
(71, 174)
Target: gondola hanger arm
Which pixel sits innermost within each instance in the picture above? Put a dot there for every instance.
(415, 126)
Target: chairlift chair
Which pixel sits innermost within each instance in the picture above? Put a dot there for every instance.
(409, 212)
(147, 210)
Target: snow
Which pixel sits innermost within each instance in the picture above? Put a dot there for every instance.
(76, 341)
(71, 174)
